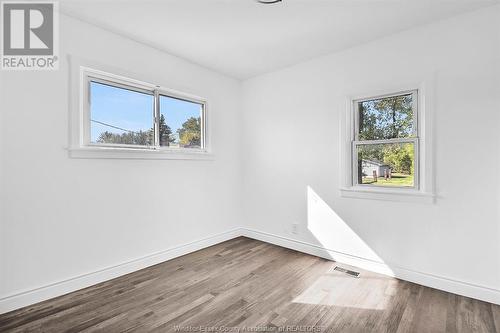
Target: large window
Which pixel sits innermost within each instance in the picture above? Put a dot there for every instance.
(385, 145)
(124, 113)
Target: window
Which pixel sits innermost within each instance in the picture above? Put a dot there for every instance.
(123, 113)
(387, 148)
(385, 145)
(120, 116)
(184, 120)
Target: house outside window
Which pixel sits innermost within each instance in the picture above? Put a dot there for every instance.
(387, 146)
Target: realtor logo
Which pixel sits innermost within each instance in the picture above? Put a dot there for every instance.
(29, 36)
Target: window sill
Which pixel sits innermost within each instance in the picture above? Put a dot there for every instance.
(402, 195)
(138, 154)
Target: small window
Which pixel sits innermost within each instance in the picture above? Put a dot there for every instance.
(124, 113)
(385, 146)
(180, 123)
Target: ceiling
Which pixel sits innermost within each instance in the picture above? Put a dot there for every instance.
(242, 38)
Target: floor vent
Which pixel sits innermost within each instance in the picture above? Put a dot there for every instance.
(348, 272)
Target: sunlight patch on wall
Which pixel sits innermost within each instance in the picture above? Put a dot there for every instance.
(333, 233)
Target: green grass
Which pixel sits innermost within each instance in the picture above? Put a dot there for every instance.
(398, 179)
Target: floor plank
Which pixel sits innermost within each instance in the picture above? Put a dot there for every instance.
(244, 283)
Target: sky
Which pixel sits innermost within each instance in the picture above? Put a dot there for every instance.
(133, 110)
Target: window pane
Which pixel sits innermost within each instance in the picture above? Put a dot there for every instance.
(180, 123)
(386, 118)
(120, 116)
(390, 164)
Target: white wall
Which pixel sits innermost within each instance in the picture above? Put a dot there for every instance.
(63, 217)
(292, 143)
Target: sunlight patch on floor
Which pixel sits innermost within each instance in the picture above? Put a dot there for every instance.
(338, 289)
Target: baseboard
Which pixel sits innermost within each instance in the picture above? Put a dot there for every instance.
(442, 283)
(29, 297)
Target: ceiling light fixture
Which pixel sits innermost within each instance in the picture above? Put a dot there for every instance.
(268, 2)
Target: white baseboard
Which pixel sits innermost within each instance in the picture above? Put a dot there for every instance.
(442, 283)
(42, 293)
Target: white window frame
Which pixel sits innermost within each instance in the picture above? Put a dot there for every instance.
(423, 189)
(81, 145)
(413, 140)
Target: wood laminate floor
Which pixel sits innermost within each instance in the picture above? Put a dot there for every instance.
(244, 285)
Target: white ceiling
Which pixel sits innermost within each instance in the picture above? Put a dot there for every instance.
(242, 38)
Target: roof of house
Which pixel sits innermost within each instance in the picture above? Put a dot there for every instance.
(375, 162)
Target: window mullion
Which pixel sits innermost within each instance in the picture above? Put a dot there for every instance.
(385, 141)
(415, 108)
(156, 118)
(356, 123)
